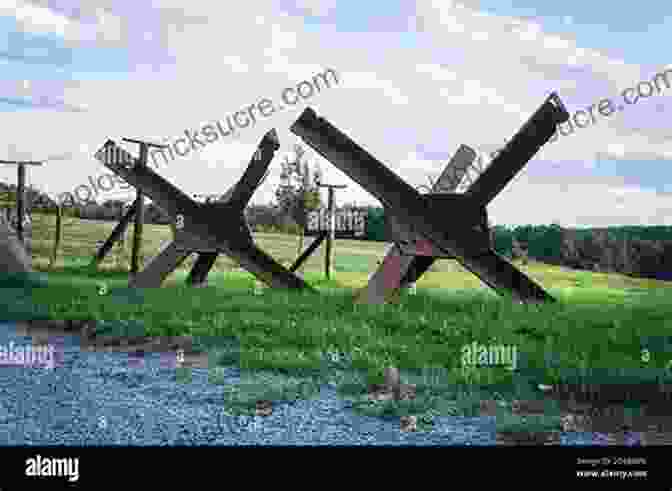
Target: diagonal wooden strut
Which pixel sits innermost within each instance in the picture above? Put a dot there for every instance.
(116, 234)
(399, 269)
(207, 229)
(463, 237)
(309, 250)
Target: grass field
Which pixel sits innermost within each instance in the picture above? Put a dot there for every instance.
(591, 340)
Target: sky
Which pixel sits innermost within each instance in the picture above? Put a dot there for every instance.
(415, 80)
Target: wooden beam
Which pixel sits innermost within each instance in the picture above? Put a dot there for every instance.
(331, 233)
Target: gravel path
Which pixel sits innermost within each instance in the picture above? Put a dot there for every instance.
(99, 398)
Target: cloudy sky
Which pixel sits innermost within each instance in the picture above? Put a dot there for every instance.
(415, 80)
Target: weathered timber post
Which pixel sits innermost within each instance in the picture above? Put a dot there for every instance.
(331, 211)
(20, 192)
(57, 238)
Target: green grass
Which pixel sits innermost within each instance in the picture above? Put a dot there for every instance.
(592, 336)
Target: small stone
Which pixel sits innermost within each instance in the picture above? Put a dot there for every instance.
(407, 391)
(574, 422)
(56, 324)
(380, 393)
(529, 407)
(409, 423)
(87, 328)
(264, 408)
(488, 407)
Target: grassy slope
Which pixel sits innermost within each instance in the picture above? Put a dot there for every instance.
(602, 321)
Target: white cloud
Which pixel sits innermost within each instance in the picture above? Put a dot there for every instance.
(580, 204)
(35, 18)
(616, 149)
(110, 27)
(450, 88)
(371, 81)
(318, 8)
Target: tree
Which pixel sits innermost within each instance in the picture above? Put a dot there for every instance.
(605, 242)
(376, 224)
(298, 193)
(502, 240)
(519, 250)
(546, 243)
(666, 262)
(647, 258)
(591, 248)
(569, 249)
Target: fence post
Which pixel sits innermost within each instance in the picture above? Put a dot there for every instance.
(20, 198)
(331, 211)
(57, 238)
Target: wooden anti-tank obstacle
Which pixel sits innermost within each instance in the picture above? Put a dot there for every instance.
(207, 229)
(136, 210)
(411, 255)
(453, 224)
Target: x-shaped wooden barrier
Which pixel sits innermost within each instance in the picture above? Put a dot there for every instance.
(412, 255)
(204, 228)
(456, 224)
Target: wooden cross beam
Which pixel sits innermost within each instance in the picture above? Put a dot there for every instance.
(207, 229)
(20, 162)
(451, 222)
(137, 210)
